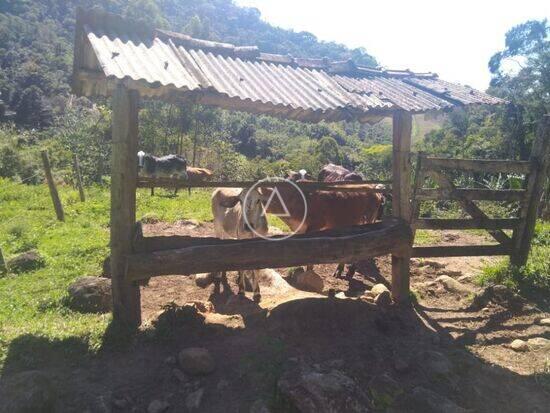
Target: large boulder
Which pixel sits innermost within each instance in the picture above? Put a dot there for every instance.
(27, 392)
(454, 286)
(27, 261)
(307, 281)
(196, 361)
(91, 295)
(310, 391)
(421, 400)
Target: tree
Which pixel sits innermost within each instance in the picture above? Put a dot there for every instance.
(328, 151)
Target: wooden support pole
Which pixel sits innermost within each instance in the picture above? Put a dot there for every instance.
(51, 185)
(401, 190)
(3, 266)
(78, 176)
(126, 295)
(540, 159)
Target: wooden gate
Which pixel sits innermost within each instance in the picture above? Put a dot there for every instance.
(534, 173)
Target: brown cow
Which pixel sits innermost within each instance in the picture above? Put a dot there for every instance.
(195, 174)
(325, 209)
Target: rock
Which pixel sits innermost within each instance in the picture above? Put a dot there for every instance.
(201, 306)
(519, 345)
(544, 322)
(434, 264)
(451, 273)
(27, 261)
(498, 294)
(378, 289)
(435, 362)
(196, 361)
(192, 223)
(383, 299)
(193, 400)
(384, 390)
(158, 406)
(308, 281)
(341, 295)
(310, 391)
(29, 391)
(421, 400)
(91, 295)
(464, 278)
(204, 280)
(453, 285)
(539, 343)
(259, 406)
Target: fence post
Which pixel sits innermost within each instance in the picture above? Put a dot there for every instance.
(3, 266)
(540, 160)
(76, 167)
(51, 184)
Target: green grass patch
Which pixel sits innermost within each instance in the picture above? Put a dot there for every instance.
(427, 237)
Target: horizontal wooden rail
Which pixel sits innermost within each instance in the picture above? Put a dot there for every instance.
(439, 194)
(197, 255)
(366, 186)
(478, 165)
(433, 223)
(460, 251)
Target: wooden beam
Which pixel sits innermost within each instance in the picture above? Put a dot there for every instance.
(186, 255)
(456, 194)
(126, 295)
(468, 206)
(78, 176)
(460, 251)
(401, 197)
(433, 223)
(540, 158)
(479, 165)
(51, 185)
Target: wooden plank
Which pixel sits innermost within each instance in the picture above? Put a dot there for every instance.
(208, 255)
(433, 223)
(401, 193)
(460, 251)
(468, 206)
(78, 176)
(366, 186)
(479, 165)
(126, 295)
(455, 194)
(540, 158)
(51, 185)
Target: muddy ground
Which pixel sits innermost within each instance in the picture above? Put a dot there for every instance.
(436, 355)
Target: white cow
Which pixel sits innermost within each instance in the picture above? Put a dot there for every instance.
(229, 207)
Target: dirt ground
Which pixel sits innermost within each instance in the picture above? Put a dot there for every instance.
(254, 345)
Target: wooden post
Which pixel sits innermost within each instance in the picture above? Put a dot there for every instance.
(540, 159)
(78, 176)
(401, 195)
(3, 266)
(126, 295)
(51, 184)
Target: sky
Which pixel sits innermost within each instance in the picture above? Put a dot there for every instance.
(454, 39)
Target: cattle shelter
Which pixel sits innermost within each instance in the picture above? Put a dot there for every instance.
(127, 61)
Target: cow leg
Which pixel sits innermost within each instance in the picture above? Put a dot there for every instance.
(152, 191)
(256, 286)
(339, 270)
(241, 282)
(351, 270)
(217, 277)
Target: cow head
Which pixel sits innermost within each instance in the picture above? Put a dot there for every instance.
(251, 202)
(302, 174)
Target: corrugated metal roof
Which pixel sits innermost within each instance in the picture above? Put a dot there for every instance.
(161, 63)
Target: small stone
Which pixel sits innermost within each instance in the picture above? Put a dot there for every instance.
(196, 361)
(27, 261)
(308, 281)
(180, 375)
(378, 289)
(91, 295)
(259, 406)
(383, 299)
(544, 321)
(341, 295)
(434, 264)
(203, 280)
(485, 309)
(193, 400)
(157, 406)
(170, 360)
(450, 284)
(519, 345)
(464, 278)
(539, 343)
